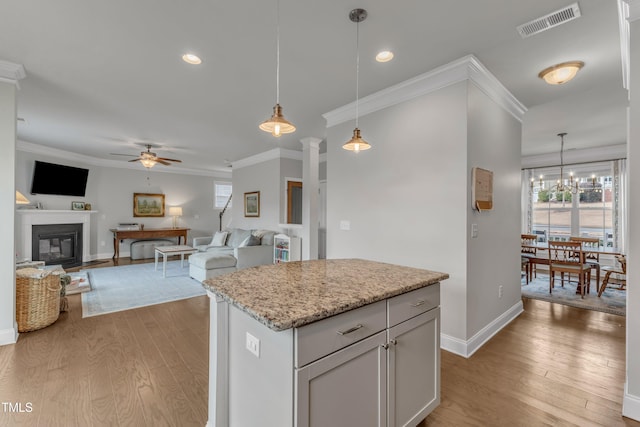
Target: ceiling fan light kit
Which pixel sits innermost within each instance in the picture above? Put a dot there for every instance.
(150, 159)
(561, 73)
(277, 124)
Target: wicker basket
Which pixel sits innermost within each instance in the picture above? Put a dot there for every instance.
(37, 298)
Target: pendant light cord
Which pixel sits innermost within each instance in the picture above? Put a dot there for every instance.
(277, 51)
(357, 68)
(561, 159)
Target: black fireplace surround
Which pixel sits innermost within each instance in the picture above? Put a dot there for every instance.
(57, 244)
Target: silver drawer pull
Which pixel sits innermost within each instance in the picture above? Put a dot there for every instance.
(418, 304)
(393, 342)
(348, 331)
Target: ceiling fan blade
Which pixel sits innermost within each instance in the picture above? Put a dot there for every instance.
(120, 154)
(135, 160)
(169, 160)
(162, 162)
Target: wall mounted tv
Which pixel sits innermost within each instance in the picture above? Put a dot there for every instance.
(60, 180)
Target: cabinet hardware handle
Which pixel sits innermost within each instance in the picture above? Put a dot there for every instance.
(348, 331)
(394, 342)
(418, 304)
(385, 346)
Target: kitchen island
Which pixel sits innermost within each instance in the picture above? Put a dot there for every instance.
(327, 342)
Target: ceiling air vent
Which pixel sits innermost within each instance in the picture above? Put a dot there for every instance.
(551, 20)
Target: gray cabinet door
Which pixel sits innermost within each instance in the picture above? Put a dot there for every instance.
(414, 369)
(346, 388)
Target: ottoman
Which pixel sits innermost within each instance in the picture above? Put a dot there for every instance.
(204, 265)
(143, 249)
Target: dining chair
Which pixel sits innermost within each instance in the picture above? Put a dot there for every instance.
(622, 271)
(567, 257)
(528, 250)
(590, 257)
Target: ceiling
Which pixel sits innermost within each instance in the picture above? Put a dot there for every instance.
(103, 76)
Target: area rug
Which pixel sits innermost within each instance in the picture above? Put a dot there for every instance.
(612, 300)
(139, 285)
(79, 283)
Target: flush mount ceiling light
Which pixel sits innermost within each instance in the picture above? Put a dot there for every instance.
(356, 143)
(384, 56)
(277, 124)
(192, 59)
(561, 73)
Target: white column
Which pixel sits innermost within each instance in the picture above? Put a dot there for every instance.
(310, 189)
(631, 401)
(10, 74)
(218, 362)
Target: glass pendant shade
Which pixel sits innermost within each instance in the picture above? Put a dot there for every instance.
(356, 143)
(148, 163)
(277, 124)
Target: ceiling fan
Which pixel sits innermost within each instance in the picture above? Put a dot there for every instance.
(149, 159)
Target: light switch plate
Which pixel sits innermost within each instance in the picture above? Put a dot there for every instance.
(345, 225)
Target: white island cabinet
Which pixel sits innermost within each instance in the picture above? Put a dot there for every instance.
(314, 361)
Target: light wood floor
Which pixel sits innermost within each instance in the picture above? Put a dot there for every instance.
(553, 365)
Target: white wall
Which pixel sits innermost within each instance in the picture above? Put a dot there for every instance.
(8, 327)
(408, 202)
(110, 192)
(631, 404)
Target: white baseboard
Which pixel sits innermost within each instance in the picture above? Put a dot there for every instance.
(9, 336)
(630, 405)
(467, 348)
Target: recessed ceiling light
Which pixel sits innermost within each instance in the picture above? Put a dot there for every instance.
(561, 73)
(192, 59)
(384, 56)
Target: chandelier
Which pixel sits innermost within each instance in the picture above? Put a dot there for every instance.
(561, 186)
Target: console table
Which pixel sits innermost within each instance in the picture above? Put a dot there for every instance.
(148, 233)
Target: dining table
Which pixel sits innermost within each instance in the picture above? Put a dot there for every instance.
(544, 259)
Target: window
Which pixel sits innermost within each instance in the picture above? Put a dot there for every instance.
(221, 193)
(589, 209)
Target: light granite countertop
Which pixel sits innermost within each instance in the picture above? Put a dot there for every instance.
(293, 294)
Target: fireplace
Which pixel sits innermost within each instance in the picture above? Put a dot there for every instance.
(59, 244)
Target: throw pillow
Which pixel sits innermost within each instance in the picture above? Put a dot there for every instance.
(250, 240)
(219, 239)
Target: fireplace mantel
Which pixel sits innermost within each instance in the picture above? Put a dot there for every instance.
(26, 218)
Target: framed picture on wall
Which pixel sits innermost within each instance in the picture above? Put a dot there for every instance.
(252, 204)
(77, 206)
(148, 205)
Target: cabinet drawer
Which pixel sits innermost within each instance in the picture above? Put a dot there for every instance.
(412, 303)
(323, 337)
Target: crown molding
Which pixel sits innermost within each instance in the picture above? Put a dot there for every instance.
(596, 154)
(276, 153)
(29, 147)
(466, 68)
(11, 73)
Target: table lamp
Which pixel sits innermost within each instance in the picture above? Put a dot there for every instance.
(20, 199)
(175, 212)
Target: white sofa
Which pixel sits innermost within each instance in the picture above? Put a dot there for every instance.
(240, 249)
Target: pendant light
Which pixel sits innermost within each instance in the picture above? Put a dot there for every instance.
(277, 124)
(356, 143)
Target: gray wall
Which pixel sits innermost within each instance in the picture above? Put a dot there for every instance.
(8, 327)
(110, 192)
(408, 198)
(493, 143)
(265, 178)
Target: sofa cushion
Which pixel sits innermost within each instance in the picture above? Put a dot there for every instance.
(209, 260)
(267, 238)
(219, 238)
(237, 236)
